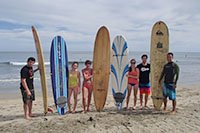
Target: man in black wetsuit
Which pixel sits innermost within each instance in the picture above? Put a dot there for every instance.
(170, 73)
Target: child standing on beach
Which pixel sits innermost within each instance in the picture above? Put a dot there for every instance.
(74, 85)
(87, 85)
(27, 87)
(133, 77)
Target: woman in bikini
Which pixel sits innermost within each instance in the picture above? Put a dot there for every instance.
(133, 79)
(74, 85)
(87, 85)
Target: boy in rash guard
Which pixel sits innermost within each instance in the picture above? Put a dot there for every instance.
(170, 73)
(144, 82)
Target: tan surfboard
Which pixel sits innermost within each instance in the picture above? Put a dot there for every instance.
(41, 68)
(101, 67)
(158, 54)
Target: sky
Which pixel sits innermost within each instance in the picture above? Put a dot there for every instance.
(79, 20)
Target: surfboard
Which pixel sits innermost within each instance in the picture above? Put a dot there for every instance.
(59, 73)
(42, 68)
(119, 69)
(101, 67)
(158, 53)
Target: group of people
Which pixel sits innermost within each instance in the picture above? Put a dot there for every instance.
(138, 78)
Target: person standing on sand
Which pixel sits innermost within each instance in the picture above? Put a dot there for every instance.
(87, 85)
(144, 82)
(27, 87)
(133, 77)
(170, 73)
(74, 85)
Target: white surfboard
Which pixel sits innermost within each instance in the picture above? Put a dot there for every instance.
(119, 69)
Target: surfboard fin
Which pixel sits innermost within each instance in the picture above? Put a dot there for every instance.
(119, 98)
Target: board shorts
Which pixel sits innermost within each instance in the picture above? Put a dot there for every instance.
(25, 97)
(145, 89)
(169, 91)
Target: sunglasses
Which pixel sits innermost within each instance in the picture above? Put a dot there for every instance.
(132, 62)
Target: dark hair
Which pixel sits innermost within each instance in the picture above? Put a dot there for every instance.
(88, 62)
(130, 68)
(170, 53)
(144, 55)
(31, 59)
(75, 62)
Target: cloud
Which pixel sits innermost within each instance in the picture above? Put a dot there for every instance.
(78, 22)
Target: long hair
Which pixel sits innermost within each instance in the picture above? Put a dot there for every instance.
(130, 68)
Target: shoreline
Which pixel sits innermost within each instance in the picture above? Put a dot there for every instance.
(187, 118)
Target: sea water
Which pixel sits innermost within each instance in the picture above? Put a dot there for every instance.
(12, 62)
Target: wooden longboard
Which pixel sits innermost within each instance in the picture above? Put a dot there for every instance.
(159, 50)
(119, 69)
(101, 67)
(59, 73)
(41, 68)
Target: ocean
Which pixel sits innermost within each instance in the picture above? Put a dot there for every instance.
(12, 62)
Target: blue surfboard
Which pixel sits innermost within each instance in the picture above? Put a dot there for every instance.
(59, 73)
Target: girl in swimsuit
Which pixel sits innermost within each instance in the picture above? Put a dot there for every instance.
(133, 78)
(74, 85)
(87, 85)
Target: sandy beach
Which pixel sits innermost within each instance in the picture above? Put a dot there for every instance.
(187, 118)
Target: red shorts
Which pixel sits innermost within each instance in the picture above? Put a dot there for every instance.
(145, 91)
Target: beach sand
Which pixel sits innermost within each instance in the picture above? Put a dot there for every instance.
(187, 118)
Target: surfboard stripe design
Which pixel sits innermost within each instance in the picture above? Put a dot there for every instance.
(119, 68)
(59, 70)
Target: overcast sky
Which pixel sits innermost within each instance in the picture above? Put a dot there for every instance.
(78, 21)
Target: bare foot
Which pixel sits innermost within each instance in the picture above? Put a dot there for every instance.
(69, 111)
(73, 112)
(31, 115)
(173, 112)
(27, 118)
(141, 107)
(134, 108)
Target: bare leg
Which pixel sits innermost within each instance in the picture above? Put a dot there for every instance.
(135, 95)
(174, 106)
(128, 96)
(141, 100)
(146, 100)
(69, 98)
(84, 97)
(75, 98)
(89, 98)
(165, 104)
(26, 110)
(30, 107)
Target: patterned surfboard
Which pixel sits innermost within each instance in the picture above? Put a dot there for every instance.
(59, 73)
(159, 50)
(119, 69)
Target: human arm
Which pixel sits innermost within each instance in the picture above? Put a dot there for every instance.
(176, 69)
(25, 86)
(36, 69)
(161, 76)
(79, 79)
